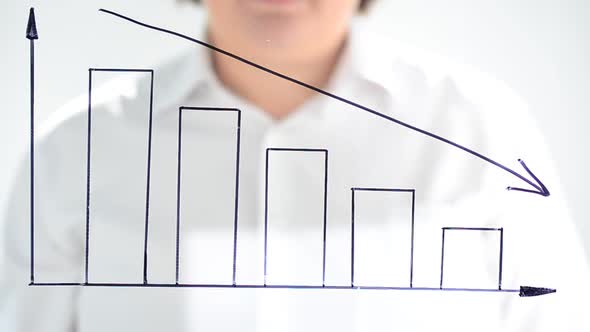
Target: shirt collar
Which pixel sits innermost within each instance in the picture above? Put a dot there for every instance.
(374, 58)
(176, 78)
(364, 58)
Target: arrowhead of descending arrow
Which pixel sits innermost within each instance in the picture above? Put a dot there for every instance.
(540, 188)
(528, 291)
(32, 26)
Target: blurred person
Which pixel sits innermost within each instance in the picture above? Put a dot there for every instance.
(326, 44)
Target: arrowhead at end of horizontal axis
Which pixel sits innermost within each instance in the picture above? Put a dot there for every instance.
(528, 291)
(32, 26)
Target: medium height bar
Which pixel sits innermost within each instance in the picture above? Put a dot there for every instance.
(325, 205)
(352, 225)
(237, 184)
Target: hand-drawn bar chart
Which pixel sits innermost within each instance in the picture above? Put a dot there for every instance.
(536, 184)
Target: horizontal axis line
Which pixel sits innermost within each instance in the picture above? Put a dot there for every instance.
(257, 286)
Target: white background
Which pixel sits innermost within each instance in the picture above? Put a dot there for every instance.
(538, 47)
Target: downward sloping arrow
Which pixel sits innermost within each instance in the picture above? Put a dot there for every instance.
(537, 186)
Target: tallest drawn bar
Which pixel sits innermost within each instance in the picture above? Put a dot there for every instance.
(148, 167)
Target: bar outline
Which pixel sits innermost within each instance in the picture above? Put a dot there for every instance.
(325, 207)
(88, 163)
(412, 232)
(148, 182)
(480, 229)
(181, 109)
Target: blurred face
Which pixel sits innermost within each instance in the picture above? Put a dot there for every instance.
(289, 29)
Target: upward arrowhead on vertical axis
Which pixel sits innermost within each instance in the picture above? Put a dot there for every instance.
(32, 26)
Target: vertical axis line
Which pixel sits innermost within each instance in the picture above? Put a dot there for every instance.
(147, 194)
(88, 147)
(178, 196)
(237, 189)
(325, 218)
(501, 258)
(442, 258)
(412, 240)
(32, 161)
(265, 214)
(352, 242)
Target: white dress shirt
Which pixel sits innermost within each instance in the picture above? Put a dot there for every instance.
(452, 188)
